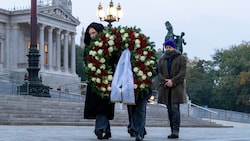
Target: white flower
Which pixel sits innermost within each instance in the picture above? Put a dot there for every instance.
(100, 51)
(107, 35)
(148, 47)
(137, 56)
(93, 68)
(111, 42)
(145, 52)
(126, 45)
(137, 46)
(98, 80)
(149, 74)
(137, 41)
(100, 44)
(92, 53)
(125, 35)
(142, 58)
(102, 60)
(90, 65)
(144, 77)
(110, 77)
(124, 38)
(103, 67)
(93, 79)
(147, 63)
(135, 86)
(109, 88)
(98, 71)
(142, 86)
(105, 81)
(111, 37)
(110, 49)
(152, 62)
(96, 43)
(136, 69)
(122, 30)
(97, 57)
(140, 73)
(103, 89)
(137, 35)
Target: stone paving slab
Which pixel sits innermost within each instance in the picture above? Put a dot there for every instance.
(238, 132)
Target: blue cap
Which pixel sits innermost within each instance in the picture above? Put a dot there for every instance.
(170, 43)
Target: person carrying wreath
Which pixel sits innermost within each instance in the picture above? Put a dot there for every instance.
(96, 107)
(171, 73)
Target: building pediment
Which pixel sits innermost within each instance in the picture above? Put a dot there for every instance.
(59, 13)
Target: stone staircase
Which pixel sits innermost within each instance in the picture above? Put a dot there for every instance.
(29, 110)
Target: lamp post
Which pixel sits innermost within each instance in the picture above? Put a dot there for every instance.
(113, 14)
(34, 86)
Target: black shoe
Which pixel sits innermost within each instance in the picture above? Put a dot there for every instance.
(107, 135)
(98, 133)
(145, 132)
(131, 132)
(139, 138)
(173, 136)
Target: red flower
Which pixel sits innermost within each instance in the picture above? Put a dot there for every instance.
(150, 54)
(113, 31)
(106, 52)
(139, 51)
(105, 72)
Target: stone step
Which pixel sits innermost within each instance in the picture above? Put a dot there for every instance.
(23, 109)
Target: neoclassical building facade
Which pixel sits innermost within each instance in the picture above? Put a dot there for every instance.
(56, 30)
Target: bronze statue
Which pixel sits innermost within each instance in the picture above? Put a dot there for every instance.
(170, 34)
(179, 40)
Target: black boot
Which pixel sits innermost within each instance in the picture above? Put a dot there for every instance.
(173, 136)
(107, 135)
(139, 138)
(99, 134)
(131, 132)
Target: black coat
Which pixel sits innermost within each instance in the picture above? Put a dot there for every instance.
(95, 105)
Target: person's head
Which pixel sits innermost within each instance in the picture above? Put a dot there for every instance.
(91, 32)
(169, 45)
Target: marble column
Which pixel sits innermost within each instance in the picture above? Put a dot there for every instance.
(73, 54)
(41, 50)
(15, 46)
(66, 51)
(7, 46)
(58, 50)
(50, 53)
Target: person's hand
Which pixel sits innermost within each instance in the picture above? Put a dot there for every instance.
(169, 83)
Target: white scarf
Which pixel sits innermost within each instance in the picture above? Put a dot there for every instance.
(122, 88)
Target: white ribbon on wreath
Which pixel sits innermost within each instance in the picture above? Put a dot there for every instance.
(122, 87)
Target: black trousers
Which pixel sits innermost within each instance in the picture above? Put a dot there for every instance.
(173, 116)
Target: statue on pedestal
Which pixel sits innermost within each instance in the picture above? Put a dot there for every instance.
(178, 39)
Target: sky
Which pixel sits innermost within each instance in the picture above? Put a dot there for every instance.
(208, 24)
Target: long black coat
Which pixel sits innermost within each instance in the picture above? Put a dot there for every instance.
(95, 105)
(177, 75)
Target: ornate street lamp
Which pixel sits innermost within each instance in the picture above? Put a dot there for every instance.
(112, 13)
(34, 86)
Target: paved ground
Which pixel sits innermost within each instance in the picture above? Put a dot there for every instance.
(239, 132)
